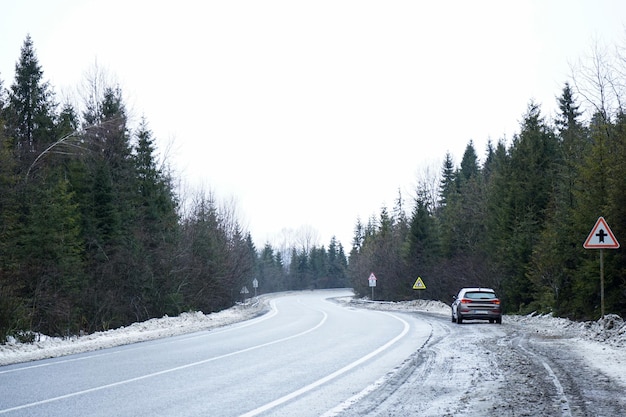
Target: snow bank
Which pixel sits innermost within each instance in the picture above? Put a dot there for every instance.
(50, 347)
(428, 306)
(611, 330)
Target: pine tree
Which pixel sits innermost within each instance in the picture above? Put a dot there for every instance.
(534, 161)
(269, 271)
(616, 260)
(447, 186)
(205, 284)
(318, 266)
(337, 264)
(31, 110)
(52, 252)
(469, 165)
(11, 304)
(359, 237)
(421, 249)
(498, 200)
(557, 254)
(155, 225)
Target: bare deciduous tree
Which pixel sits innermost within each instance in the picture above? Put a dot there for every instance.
(597, 78)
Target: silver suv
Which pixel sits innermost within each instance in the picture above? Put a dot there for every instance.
(476, 304)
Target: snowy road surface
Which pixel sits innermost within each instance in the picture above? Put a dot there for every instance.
(310, 356)
(515, 369)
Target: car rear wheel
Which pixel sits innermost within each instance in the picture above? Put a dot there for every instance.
(459, 319)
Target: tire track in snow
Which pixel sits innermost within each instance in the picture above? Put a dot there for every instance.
(565, 406)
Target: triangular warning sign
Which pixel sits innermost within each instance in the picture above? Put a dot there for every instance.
(419, 284)
(601, 237)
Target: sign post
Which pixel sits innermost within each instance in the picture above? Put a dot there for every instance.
(372, 281)
(243, 292)
(601, 237)
(419, 285)
(255, 284)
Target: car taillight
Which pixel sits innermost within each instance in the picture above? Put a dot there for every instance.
(466, 300)
(496, 301)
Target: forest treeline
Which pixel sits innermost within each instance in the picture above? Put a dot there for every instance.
(94, 235)
(92, 232)
(517, 220)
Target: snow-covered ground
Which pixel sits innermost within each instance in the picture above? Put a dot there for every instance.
(602, 342)
(51, 347)
(610, 331)
(530, 365)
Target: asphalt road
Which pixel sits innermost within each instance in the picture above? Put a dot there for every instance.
(308, 357)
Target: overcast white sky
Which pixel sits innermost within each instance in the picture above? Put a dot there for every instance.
(315, 113)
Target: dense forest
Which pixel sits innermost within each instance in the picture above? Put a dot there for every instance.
(517, 221)
(94, 235)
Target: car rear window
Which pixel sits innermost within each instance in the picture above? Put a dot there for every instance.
(480, 295)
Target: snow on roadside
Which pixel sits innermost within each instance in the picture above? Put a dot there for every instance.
(427, 306)
(601, 343)
(610, 331)
(51, 347)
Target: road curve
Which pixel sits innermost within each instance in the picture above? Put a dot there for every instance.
(308, 356)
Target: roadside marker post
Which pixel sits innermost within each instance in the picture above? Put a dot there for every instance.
(372, 281)
(243, 292)
(255, 285)
(601, 237)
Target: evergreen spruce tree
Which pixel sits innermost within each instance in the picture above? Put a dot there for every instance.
(31, 110)
(498, 196)
(155, 227)
(616, 260)
(421, 249)
(533, 164)
(447, 186)
(337, 264)
(557, 254)
(469, 165)
(52, 252)
(12, 312)
(318, 265)
(596, 197)
(268, 270)
(205, 286)
(447, 203)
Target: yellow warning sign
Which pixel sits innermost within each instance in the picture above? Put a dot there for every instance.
(419, 284)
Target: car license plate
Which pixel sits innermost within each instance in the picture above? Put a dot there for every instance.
(480, 312)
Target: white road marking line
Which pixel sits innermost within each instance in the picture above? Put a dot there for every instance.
(331, 376)
(365, 392)
(165, 371)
